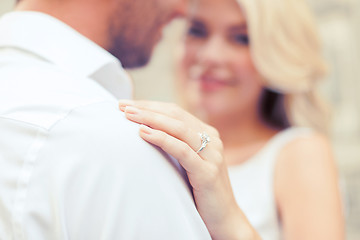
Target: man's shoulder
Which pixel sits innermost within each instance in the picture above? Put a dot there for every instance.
(97, 155)
(42, 76)
(99, 138)
(92, 164)
(41, 94)
(95, 121)
(101, 126)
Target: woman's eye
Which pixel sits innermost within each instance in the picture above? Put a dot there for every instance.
(241, 39)
(197, 32)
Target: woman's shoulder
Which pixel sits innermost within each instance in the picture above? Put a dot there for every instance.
(303, 144)
(293, 140)
(306, 185)
(305, 163)
(305, 149)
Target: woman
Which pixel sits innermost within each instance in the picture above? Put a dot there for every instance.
(250, 69)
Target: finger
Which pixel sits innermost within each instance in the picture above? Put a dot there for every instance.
(171, 126)
(168, 109)
(163, 123)
(143, 104)
(123, 103)
(171, 110)
(188, 159)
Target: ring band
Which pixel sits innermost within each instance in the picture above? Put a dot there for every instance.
(205, 139)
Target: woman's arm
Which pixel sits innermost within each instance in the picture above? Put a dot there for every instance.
(307, 193)
(177, 133)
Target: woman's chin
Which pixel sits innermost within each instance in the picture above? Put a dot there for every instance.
(214, 110)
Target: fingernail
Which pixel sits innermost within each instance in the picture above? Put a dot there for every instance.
(131, 110)
(125, 102)
(145, 129)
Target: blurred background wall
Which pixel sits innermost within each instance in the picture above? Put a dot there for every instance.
(339, 26)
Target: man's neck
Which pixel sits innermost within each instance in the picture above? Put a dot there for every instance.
(90, 20)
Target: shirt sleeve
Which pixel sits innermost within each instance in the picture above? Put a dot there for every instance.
(95, 178)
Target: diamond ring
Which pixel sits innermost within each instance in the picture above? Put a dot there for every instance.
(205, 139)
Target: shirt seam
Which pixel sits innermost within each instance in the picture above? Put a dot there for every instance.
(62, 115)
(28, 168)
(23, 183)
(70, 111)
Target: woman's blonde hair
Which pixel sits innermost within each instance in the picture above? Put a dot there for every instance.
(287, 52)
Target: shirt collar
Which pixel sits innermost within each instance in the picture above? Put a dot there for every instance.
(56, 42)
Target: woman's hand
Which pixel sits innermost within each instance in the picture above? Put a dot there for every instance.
(177, 132)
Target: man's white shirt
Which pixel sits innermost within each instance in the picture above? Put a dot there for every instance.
(71, 165)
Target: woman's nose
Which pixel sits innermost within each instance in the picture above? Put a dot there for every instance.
(213, 52)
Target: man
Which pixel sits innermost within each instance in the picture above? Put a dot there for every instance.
(72, 166)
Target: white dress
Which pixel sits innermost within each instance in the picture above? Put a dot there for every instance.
(253, 184)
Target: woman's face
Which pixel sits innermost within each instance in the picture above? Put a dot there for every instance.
(219, 75)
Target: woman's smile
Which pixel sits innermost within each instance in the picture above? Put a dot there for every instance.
(211, 83)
